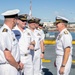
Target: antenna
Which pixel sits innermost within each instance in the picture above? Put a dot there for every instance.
(30, 13)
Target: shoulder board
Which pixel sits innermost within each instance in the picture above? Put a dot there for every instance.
(5, 30)
(65, 32)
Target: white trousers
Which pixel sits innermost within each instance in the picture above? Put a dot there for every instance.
(37, 62)
(7, 69)
(67, 67)
(28, 64)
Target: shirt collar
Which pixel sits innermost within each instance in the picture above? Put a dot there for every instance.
(63, 31)
(7, 27)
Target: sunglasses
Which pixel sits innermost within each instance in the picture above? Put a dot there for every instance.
(24, 20)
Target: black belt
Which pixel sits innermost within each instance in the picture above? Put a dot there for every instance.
(36, 49)
(25, 54)
(4, 63)
(7, 63)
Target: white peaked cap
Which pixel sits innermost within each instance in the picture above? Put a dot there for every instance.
(62, 18)
(11, 12)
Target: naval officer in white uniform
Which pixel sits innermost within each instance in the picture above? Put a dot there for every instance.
(25, 40)
(9, 49)
(63, 47)
(40, 28)
(38, 51)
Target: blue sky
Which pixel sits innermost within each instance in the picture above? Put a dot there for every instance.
(47, 10)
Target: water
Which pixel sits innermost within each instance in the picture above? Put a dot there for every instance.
(53, 35)
(73, 35)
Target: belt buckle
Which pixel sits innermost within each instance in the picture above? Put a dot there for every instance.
(35, 50)
(25, 54)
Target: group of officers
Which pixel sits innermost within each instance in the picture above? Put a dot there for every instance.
(22, 45)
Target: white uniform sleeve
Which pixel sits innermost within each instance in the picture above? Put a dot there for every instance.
(43, 35)
(41, 38)
(67, 41)
(5, 41)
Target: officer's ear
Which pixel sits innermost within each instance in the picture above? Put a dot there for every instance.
(17, 22)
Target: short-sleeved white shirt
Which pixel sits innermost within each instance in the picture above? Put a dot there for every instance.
(63, 40)
(37, 37)
(42, 33)
(8, 41)
(24, 41)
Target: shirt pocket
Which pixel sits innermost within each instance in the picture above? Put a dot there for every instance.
(14, 42)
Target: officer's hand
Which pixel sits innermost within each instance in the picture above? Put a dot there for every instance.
(61, 71)
(42, 55)
(31, 47)
(21, 65)
(33, 43)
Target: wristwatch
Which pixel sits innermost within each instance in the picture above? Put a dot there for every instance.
(63, 65)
